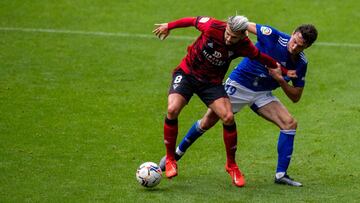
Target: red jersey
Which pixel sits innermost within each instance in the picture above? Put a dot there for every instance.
(208, 58)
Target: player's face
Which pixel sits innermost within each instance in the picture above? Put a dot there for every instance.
(233, 37)
(296, 43)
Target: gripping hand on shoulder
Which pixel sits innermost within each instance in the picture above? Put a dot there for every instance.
(291, 74)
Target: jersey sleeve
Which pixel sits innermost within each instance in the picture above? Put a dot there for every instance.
(249, 49)
(266, 34)
(182, 22)
(252, 52)
(301, 73)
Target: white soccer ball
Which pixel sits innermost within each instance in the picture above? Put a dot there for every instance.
(149, 174)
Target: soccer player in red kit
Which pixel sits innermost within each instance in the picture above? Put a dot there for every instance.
(201, 72)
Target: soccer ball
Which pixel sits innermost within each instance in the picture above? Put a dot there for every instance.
(149, 174)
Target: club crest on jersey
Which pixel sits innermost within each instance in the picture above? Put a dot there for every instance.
(204, 19)
(265, 30)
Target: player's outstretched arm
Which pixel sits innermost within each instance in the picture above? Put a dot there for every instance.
(162, 30)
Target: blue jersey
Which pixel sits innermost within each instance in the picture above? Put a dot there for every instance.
(255, 76)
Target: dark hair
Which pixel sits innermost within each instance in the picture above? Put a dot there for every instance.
(308, 32)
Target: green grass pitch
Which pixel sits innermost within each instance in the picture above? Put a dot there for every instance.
(83, 90)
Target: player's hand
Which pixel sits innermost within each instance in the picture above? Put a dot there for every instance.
(161, 30)
(287, 72)
(291, 74)
(276, 73)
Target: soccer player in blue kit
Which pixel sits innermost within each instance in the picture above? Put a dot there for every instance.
(251, 83)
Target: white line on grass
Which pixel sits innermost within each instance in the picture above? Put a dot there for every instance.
(147, 36)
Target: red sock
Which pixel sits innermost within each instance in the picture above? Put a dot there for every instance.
(170, 135)
(230, 140)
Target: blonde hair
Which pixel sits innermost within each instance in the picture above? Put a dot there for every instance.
(238, 23)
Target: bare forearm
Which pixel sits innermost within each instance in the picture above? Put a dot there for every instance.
(252, 28)
(293, 93)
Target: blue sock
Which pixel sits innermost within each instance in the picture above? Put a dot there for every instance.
(194, 133)
(285, 149)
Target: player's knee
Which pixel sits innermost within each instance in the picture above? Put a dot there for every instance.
(290, 124)
(173, 112)
(228, 118)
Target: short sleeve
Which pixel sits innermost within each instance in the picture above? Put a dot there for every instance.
(266, 34)
(301, 73)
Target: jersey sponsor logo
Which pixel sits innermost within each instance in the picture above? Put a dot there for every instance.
(214, 58)
(217, 54)
(204, 19)
(265, 30)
